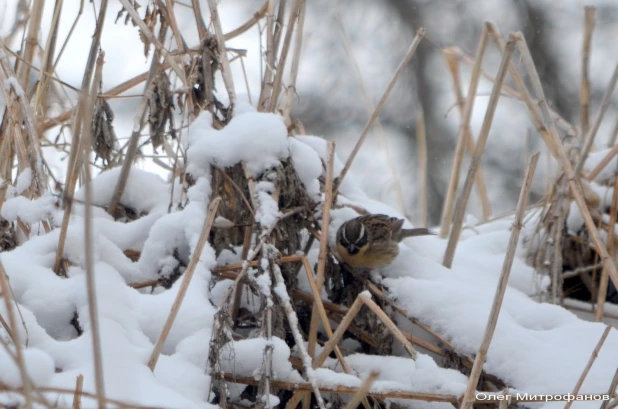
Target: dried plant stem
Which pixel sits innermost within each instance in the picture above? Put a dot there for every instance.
(31, 42)
(584, 95)
(453, 61)
(298, 44)
(464, 130)
(14, 334)
(362, 391)
(576, 189)
(328, 200)
(421, 152)
(269, 56)
(93, 311)
(294, 13)
(226, 70)
(77, 398)
(462, 203)
(604, 162)
(417, 39)
(30, 127)
(593, 357)
(392, 327)
(477, 368)
(380, 130)
(612, 390)
(324, 318)
(243, 28)
(75, 153)
(493, 398)
(330, 345)
(145, 30)
(186, 280)
(133, 142)
(592, 132)
(611, 241)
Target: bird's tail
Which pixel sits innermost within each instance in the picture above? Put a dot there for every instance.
(420, 231)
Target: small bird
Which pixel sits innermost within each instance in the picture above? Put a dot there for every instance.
(371, 241)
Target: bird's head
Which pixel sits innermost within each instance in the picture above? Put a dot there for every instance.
(353, 236)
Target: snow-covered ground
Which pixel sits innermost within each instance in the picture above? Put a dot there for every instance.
(537, 348)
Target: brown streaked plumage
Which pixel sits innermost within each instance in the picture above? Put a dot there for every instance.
(371, 241)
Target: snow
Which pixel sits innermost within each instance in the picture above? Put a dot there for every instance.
(536, 348)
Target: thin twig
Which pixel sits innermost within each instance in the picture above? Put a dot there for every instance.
(226, 70)
(592, 132)
(611, 241)
(77, 398)
(584, 95)
(417, 39)
(421, 152)
(186, 280)
(75, 153)
(86, 145)
(462, 203)
(593, 357)
(362, 390)
(464, 129)
(604, 162)
(479, 359)
(328, 200)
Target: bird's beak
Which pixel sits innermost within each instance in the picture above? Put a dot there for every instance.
(351, 249)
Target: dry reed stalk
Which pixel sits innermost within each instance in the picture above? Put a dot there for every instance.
(186, 280)
(392, 327)
(593, 357)
(611, 391)
(421, 152)
(494, 398)
(592, 132)
(611, 240)
(86, 145)
(66, 391)
(14, 333)
(77, 398)
(417, 39)
(330, 345)
(29, 123)
(133, 141)
(170, 16)
(492, 320)
(40, 99)
(362, 390)
(566, 164)
(601, 165)
(267, 86)
(31, 42)
(453, 64)
(226, 70)
(199, 20)
(286, 107)
(75, 153)
(328, 201)
(145, 30)
(243, 28)
(294, 14)
(462, 202)
(378, 124)
(464, 130)
(317, 302)
(613, 136)
(584, 95)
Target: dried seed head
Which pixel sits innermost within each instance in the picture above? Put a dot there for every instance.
(104, 140)
(161, 112)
